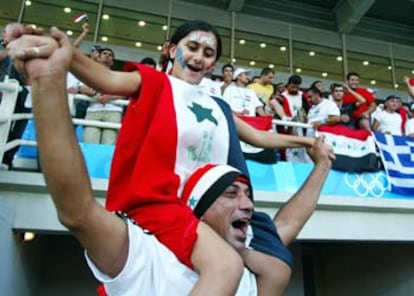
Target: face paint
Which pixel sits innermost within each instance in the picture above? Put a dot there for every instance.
(179, 57)
(203, 37)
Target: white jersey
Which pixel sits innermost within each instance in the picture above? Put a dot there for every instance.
(151, 269)
(389, 122)
(321, 112)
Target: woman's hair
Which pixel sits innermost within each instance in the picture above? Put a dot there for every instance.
(190, 26)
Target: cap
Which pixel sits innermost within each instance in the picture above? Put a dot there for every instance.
(391, 97)
(207, 183)
(238, 71)
(96, 47)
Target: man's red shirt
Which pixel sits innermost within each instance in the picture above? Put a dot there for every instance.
(350, 99)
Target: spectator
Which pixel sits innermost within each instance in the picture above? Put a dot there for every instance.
(227, 72)
(264, 87)
(346, 110)
(150, 62)
(353, 94)
(389, 121)
(7, 69)
(319, 85)
(323, 111)
(276, 101)
(294, 103)
(102, 110)
(95, 52)
(244, 102)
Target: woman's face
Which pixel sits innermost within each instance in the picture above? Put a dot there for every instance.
(194, 56)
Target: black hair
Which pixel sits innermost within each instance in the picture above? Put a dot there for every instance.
(315, 83)
(266, 71)
(107, 49)
(148, 61)
(295, 79)
(314, 89)
(352, 74)
(227, 66)
(335, 85)
(195, 25)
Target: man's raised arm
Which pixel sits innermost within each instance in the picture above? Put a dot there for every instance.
(101, 233)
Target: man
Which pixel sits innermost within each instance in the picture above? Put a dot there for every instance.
(150, 62)
(95, 52)
(227, 72)
(264, 87)
(103, 110)
(118, 248)
(337, 95)
(322, 111)
(295, 104)
(7, 69)
(244, 102)
(389, 121)
(353, 94)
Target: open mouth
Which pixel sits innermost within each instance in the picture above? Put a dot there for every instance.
(241, 224)
(192, 68)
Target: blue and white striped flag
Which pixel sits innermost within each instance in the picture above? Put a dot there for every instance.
(397, 153)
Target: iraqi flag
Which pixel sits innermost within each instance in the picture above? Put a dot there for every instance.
(397, 154)
(266, 156)
(263, 123)
(355, 150)
(80, 17)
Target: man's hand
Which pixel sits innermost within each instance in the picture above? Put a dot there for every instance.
(320, 152)
(39, 56)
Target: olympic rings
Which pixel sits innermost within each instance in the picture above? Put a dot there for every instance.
(367, 184)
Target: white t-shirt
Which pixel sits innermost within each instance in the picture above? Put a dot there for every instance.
(151, 269)
(210, 87)
(389, 122)
(320, 113)
(239, 99)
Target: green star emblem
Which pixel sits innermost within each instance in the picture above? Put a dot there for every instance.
(202, 113)
(193, 202)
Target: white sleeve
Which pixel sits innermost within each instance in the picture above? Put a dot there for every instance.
(333, 109)
(135, 274)
(255, 100)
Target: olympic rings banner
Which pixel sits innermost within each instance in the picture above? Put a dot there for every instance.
(288, 177)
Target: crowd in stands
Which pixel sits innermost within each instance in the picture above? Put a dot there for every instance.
(345, 103)
(143, 183)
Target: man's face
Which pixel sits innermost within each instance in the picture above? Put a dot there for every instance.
(314, 97)
(243, 78)
(392, 104)
(230, 214)
(293, 89)
(353, 81)
(227, 74)
(338, 93)
(281, 88)
(268, 79)
(106, 57)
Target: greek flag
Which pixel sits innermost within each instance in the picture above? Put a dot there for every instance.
(397, 153)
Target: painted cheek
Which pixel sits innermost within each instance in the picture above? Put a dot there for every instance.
(180, 58)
